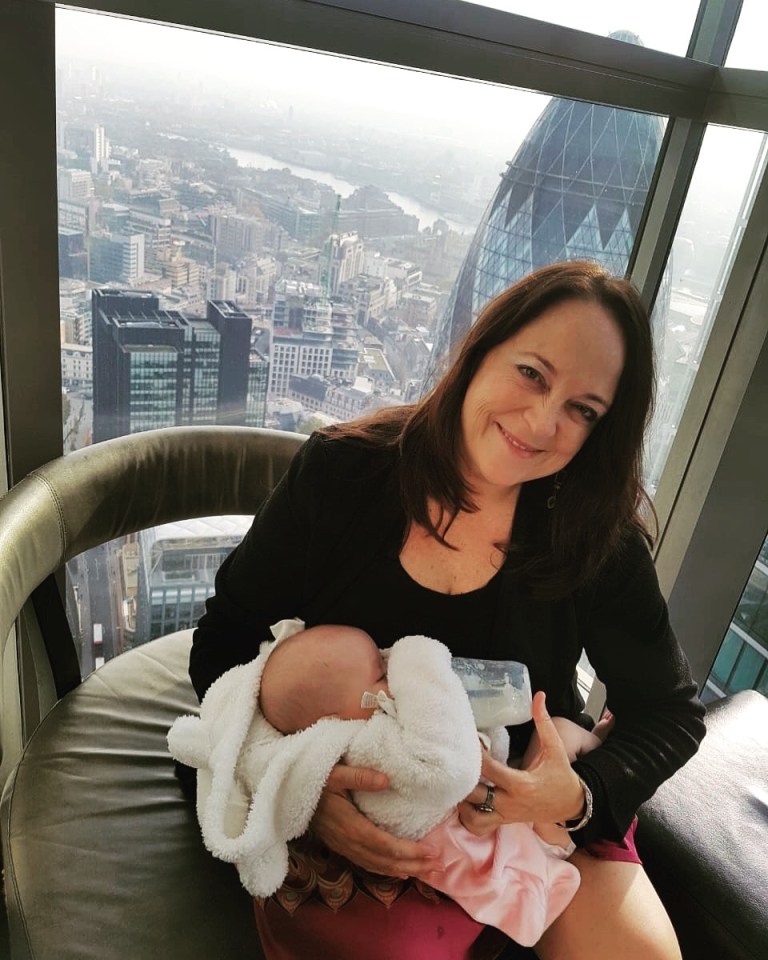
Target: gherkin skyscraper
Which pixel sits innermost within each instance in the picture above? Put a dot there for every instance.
(574, 190)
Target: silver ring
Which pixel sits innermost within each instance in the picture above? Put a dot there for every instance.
(487, 805)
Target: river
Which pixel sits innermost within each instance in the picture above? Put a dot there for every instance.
(426, 215)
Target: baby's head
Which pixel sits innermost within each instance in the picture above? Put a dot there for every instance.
(320, 672)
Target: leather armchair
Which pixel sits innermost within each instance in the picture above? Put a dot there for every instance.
(102, 855)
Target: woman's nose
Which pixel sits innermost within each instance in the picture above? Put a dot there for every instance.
(542, 419)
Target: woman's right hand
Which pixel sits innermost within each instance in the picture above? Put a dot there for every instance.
(341, 826)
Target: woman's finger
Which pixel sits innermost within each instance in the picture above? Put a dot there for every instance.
(477, 822)
(343, 777)
(546, 730)
(495, 771)
(341, 826)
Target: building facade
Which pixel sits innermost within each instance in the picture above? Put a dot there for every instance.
(118, 258)
(302, 339)
(177, 564)
(160, 368)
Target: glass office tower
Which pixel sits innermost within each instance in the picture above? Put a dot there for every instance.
(575, 189)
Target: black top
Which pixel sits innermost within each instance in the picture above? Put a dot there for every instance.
(322, 548)
(462, 621)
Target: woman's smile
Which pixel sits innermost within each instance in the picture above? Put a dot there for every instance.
(518, 447)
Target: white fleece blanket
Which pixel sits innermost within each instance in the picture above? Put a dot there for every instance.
(257, 788)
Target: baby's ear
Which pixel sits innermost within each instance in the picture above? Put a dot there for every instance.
(188, 741)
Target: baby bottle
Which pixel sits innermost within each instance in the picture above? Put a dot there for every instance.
(499, 690)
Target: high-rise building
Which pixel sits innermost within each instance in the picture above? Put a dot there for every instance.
(302, 339)
(177, 564)
(89, 141)
(575, 189)
(73, 254)
(345, 254)
(160, 368)
(74, 184)
(118, 258)
(236, 236)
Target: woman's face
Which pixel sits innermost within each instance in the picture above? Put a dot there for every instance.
(537, 397)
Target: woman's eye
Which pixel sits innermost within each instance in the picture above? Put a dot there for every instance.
(530, 373)
(587, 413)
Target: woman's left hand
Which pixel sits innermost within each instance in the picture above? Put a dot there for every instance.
(547, 792)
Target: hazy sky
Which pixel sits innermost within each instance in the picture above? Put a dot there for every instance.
(410, 100)
(290, 75)
(469, 108)
(412, 96)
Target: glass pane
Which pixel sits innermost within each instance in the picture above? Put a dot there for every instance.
(752, 612)
(742, 664)
(744, 677)
(291, 244)
(748, 48)
(721, 670)
(575, 189)
(137, 588)
(661, 25)
(707, 239)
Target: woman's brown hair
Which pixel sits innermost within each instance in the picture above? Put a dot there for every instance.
(601, 495)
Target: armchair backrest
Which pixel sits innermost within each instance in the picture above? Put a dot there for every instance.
(111, 489)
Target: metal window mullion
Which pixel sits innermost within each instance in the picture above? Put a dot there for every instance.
(676, 165)
(474, 43)
(29, 333)
(710, 40)
(738, 98)
(721, 516)
(676, 500)
(714, 29)
(31, 355)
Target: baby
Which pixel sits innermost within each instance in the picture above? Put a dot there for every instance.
(338, 671)
(270, 732)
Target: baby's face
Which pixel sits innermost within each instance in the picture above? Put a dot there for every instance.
(365, 670)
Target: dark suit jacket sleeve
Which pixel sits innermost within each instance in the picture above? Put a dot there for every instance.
(262, 580)
(650, 691)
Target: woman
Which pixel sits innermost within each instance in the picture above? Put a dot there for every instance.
(500, 515)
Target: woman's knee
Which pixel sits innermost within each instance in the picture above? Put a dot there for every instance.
(615, 913)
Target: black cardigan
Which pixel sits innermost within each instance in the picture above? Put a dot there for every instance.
(337, 507)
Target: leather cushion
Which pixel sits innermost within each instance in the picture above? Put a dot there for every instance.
(103, 855)
(704, 836)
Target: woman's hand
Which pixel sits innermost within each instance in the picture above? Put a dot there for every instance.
(341, 826)
(547, 792)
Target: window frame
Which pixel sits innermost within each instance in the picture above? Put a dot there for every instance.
(463, 39)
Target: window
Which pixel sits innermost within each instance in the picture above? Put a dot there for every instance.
(748, 48)
(178, 198)
(706, 243)
(662, 26)
(143, 242)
